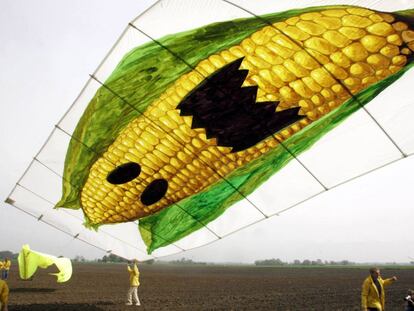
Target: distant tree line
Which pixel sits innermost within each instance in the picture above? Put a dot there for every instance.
(306, 262)
(184, 261)
(8, 254)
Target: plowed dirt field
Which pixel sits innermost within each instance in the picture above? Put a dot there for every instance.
(96, 287)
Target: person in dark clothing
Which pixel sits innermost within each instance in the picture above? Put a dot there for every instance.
(410, 300)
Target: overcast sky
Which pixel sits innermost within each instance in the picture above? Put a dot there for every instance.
(48, 49)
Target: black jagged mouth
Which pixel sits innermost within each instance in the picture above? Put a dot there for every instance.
(229, 112)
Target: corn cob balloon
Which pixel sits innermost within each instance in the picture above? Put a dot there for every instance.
(239, 103)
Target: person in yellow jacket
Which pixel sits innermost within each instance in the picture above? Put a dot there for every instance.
(1, 269)
(373, 294)
(133, 284)
(6, 268)
(4, 295)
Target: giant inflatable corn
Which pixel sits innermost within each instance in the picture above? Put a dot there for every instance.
(241, 102)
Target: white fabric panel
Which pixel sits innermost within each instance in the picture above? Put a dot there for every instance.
(235, 217)
(354, 147)
(54, 152)
(63, 221)
(271, 6)
(130, 39)
(29, 202)
(198, 238)
(71, 118)
(289, 186)
(127, 233)
(394, 110)
(43, 182)
(166, 251)
(171, 16)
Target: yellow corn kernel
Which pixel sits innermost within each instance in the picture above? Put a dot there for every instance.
(394, 39)
(352, 82)
(355, 52)
(390, 50)
(381, 29)
(322, 77)
(248, 45)
(237, 51)
(306, 105)
(378, 61)
(356, 21)
(280, 50)
(359, 11)
(339, 90)
(295, 33)
(369, 80)
(337, 39)
(268, 56)
(340, 59)
(317, 99)
(300, 88)
(375, 18)
(305, 60)
(352, 33)
(329, 22)
(328, 94)
(292, 21)
(323, 109)
(400, 26)
(360, 70)
(336, 71)
(296, 69)
(257, 61)
(312, 84)
(313, 115)
(261, 37)
(399, 60)
(408, 36)
(142, 146)
(320, 58)
(271, 78)
(310, 16)
(168, 123)
(288, 95)
(373, 43)
(284, 74)
(284, 41)
(311, 28)
(321, 45)
(387, 17)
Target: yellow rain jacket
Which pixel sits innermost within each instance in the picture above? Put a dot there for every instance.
(133, 275)
(1, 265)
(7, 264)
(4, 293)
(370, 297)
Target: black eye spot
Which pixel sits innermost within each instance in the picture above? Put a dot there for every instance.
(124, 173)
(154, 191)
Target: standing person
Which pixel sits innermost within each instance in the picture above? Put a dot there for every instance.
(410, 300)
(133, 284)
(373, 295)
(1, 269)
(6, 268)
(4, 295)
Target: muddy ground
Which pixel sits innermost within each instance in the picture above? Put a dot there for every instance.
(96, 287)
